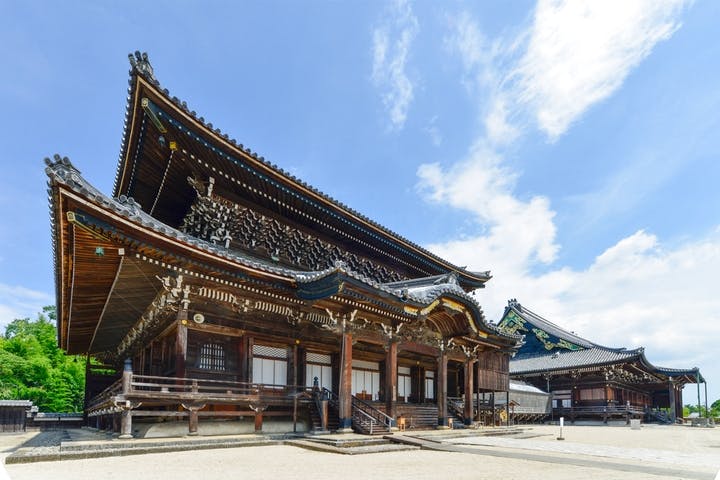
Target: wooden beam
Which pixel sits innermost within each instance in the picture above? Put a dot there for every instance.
(216, 329)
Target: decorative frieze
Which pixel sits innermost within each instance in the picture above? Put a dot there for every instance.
(227, 224)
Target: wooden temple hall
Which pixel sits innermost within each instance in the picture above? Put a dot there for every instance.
(212, 285)
(591, 381)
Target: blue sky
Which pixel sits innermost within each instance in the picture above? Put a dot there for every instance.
(570, 148)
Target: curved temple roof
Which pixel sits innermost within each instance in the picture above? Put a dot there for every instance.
(144, 82)
(550, 348)
(416, 295)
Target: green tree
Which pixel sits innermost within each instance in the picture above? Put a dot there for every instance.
(33, 367)
(715, 408)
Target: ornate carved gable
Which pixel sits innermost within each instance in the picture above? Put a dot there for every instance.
(225, 223)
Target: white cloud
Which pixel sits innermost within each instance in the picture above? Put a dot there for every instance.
(20, 302)
(580, 52)
(484, 78)
(638, 292)
(482, 186)
(392, 41)
(573, 55)
(434, 132)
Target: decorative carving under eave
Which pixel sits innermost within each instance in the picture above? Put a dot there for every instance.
(345, 322)
(175, 292)
(222, 222)
(470, 352)
(544, 338)
(513, 323)
(419, 331)
(391, 332)
(158, 314)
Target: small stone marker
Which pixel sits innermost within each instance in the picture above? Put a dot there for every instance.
(562, 422)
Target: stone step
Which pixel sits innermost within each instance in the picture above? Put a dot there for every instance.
(351, 447)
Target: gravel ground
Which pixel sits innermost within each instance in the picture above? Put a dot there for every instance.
(696, 453)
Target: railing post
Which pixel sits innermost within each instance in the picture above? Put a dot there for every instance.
(127, 376)
(126, 415)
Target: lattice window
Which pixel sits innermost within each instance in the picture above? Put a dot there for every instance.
(319, 358)
(269, 352)
(212, 356)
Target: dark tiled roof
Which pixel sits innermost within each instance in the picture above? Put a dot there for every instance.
(425, 291)
(140, 65)
(62, 171)
(681, 372)
(590, 357)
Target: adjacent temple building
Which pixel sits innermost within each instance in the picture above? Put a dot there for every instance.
(213, 284)
(591, 381)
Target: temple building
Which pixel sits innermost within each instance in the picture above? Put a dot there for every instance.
(590, 381)
(211, 284)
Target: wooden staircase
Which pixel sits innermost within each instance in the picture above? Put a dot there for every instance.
(366, 419)
(316, 422)
(456, 412)
(418, 416)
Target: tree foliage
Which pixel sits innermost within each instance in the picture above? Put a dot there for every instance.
(33, 367)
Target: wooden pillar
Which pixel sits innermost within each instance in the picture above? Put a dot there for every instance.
(468, 408)
(671, 397)
(492, 408)
(126, 424)
(442, 390)
(417, 380)
(193, 421)
(478, 378)
(181, 344)
(242, 350)
(391, 379)
(126, 416)
(258, 420)
(292, 371)
(249, 359)
(302, 366)
(345, 388)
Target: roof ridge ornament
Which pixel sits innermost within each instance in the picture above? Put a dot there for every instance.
(141, 64)
(63, 169)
